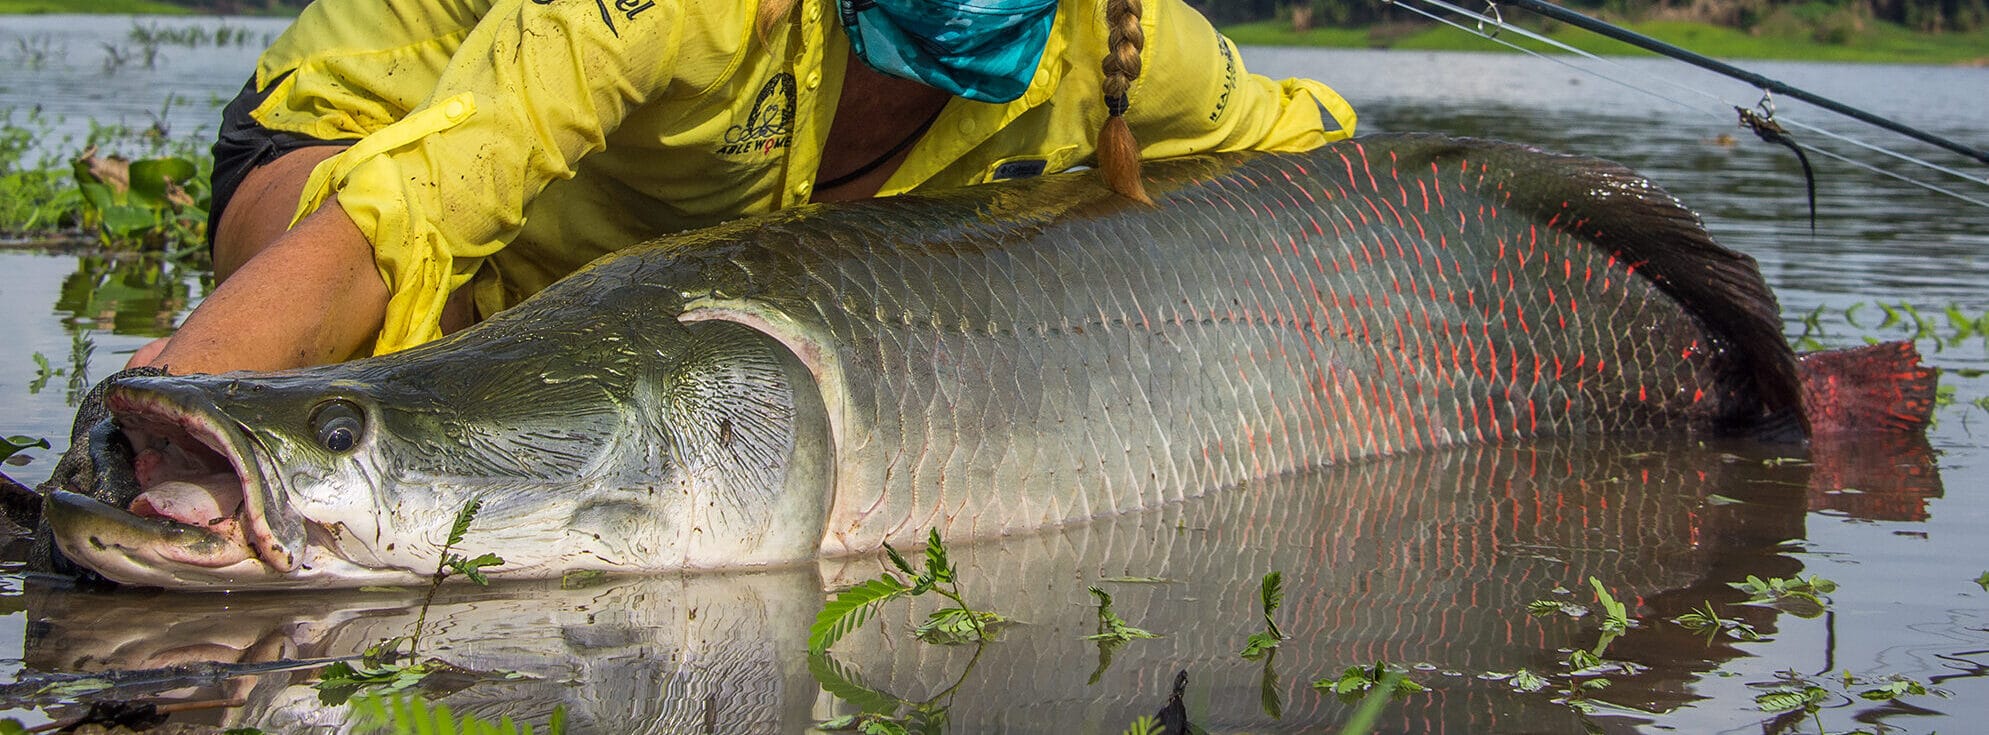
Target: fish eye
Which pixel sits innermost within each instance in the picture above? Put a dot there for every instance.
(338, 424)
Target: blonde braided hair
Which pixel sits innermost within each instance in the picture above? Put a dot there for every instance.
(1118, 152)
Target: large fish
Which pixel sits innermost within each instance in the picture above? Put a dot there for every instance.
(986, 361)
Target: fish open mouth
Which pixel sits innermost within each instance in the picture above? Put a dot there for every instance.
(201, 507)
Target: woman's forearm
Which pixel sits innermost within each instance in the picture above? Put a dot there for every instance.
(312, 297)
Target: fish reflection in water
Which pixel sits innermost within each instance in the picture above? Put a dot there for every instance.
(1427, 559)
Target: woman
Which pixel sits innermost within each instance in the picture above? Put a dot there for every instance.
(449, 158)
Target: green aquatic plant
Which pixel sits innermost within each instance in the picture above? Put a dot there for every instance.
(156, 203)
(1270, 595)
(400, 715)
(1113, 632)
(1983, 581)
(1615, 617)
(1800, 596)
(384, 668)
(1706, 621)
(853, 607)
(1111, 627)
(1359, 680)
(1798, 695)
(18, 443)
(1145, 725)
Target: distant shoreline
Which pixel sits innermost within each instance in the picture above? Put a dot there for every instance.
(1876, 42)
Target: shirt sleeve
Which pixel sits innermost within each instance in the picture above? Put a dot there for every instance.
(1195, 96)
(535, 86)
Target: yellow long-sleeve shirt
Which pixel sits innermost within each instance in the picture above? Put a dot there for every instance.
(477, 123)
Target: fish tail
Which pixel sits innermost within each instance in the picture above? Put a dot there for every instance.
(1879, 388)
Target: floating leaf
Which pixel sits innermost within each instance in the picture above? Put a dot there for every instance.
(850, 609)
(473, 568)
(1111, 627)
(955, 626)
(1785, 700)
(1257, 645)
(1983, 581)
(17, 443)
(1527, 681)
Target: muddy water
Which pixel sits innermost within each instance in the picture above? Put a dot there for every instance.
(1426, 561)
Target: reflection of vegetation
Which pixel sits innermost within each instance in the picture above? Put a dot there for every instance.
(140, 295)
(413, 716)
(880, 712)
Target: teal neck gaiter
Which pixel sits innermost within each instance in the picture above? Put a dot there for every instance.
(983, 50)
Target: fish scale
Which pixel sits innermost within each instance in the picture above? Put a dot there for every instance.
(1288, 312)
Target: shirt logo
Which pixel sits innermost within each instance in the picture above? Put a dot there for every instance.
(770, 124)
(627, 8)
(1229, 77)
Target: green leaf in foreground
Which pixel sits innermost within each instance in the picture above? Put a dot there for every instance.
(1145, 725)
(1389, 687)
(850, 609)
(1983, 581)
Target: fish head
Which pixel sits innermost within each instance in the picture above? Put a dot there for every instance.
(617, 457)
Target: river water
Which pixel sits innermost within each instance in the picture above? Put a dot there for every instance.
(1427, 562)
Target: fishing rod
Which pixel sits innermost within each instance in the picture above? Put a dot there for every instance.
(1497, 23)
(1647, 43)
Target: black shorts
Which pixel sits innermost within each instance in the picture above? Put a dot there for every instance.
(243, 145)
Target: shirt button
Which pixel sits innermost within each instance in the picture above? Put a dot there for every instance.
(454, 110)
(814, 79)
(814, 9)
(801, 189)
(967, 127)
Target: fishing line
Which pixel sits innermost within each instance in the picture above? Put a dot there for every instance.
(1647, 43)
(1499, 24)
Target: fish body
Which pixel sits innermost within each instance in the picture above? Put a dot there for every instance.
(986, 361)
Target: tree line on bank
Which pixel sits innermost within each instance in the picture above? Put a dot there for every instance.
(1830, 17)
